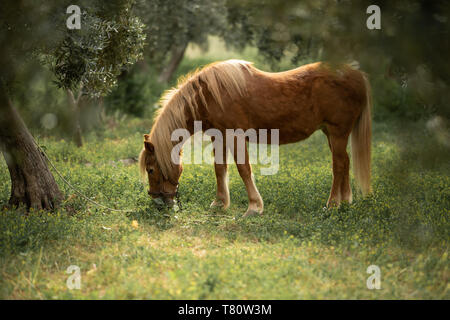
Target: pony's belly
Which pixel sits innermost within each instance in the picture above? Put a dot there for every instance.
(294, 136)
(291, 129)
(284, 135)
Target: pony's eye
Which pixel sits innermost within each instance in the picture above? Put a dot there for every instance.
(149, 171)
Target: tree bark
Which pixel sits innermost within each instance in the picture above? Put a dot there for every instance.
(32, 183)
(76, 111)
(176, 57)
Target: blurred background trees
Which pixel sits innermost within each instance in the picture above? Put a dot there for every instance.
(407, 58)
(173, 25)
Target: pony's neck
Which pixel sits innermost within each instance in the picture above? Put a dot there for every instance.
(169, 119)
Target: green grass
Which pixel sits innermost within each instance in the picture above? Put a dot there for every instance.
(296, 250)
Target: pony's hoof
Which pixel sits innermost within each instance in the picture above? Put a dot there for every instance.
(251, 213)
(217, 204)
(333, 204)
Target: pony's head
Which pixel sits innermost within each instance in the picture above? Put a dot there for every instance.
(163, 185)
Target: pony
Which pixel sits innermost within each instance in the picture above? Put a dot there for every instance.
(234, 94)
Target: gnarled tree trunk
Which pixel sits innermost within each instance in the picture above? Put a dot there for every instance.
(32, 183)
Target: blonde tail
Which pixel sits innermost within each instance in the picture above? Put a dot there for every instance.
(361, 143)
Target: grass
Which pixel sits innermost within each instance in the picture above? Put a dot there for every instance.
(296, 250)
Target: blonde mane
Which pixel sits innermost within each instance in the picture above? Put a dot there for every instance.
(219, 77)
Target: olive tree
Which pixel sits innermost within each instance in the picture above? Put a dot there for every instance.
(111, 40)
(89, 60)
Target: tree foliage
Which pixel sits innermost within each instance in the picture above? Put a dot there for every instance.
(96, 54)
(111, 38)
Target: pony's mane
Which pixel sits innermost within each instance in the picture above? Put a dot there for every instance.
(219, 77)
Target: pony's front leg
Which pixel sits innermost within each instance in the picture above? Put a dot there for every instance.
(255, 202)
(220, 167)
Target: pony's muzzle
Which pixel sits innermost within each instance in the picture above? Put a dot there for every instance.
(158, 201)
(163, 201)
(169, 202)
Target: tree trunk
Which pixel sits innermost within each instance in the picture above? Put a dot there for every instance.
(101, 106)
(76, 111)
(32, 183)
(176, 57)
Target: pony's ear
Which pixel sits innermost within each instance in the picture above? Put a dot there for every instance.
(148, 145)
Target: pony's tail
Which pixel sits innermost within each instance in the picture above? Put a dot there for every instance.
(361, 143)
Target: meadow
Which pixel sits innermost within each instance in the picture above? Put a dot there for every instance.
(296, 250)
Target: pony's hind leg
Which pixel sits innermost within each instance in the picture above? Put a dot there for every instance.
(346, 189)
(220, 167)
(340, 190)
(255, 202)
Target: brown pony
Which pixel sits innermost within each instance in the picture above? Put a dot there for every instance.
(233, 94)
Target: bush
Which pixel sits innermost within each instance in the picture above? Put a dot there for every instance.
(135, 94)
